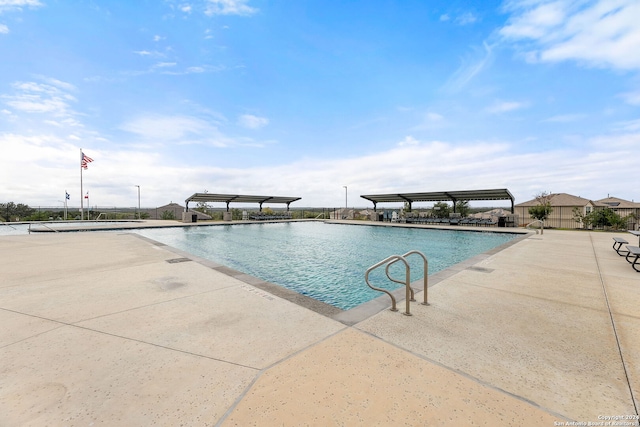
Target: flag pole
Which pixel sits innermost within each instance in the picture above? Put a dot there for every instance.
(81, 192)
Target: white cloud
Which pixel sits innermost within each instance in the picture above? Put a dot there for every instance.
(191, 70)
(165, 64)
(435, 117)
(17, 5)
(43, 166)
(428, 121)
(186, 8)
(34, 97)
(632, 98)
(252, 122)
(466, 19)
(565, 118)
(601, 33)
(408, 140)
(629, 126)
(505, 106)
(444, 17)
(4, 29)
(57, 83)
(470, 68)
(229, 7)
(168, 128)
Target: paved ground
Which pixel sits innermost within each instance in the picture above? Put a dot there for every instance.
(100, 329)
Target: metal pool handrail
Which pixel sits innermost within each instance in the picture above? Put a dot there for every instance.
(45, 226)
(388, 262)
(425, 280)
(541, 226)
(406, 282)
(386, 270)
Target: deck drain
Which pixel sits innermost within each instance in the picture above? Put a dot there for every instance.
(481, 269)
(177, 260)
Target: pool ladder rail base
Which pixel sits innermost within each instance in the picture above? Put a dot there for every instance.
(388, 262)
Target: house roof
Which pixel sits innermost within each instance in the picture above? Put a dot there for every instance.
(171, 205)
(616, 202)
(560, 199)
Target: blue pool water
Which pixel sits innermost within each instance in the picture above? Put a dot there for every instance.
(324, 261)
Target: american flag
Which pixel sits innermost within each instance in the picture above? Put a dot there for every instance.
(85, 161)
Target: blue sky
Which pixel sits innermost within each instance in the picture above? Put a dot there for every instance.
(300, 98)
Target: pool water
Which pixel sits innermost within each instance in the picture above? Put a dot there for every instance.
(325, 261)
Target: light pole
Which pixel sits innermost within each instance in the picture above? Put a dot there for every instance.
(345, 200)
(139, 216)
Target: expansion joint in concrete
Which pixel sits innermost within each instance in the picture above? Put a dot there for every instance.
(613, 325)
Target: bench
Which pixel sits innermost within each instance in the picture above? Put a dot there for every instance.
(634, 251)
(619, 241)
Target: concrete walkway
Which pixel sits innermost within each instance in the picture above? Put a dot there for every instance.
(113, 329)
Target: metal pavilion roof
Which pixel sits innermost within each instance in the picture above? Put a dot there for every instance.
(441, 196)
(238, 198)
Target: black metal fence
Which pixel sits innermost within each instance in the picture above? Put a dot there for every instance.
(171, 212)
(566, 217)
(561, 216)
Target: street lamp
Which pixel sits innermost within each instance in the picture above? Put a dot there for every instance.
(139, 216)
(345, 200)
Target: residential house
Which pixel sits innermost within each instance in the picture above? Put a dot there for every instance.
(567, 210)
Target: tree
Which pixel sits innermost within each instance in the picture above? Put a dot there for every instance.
(168, 215)
(40, 216)
(441, 210)
(605, 218)
(462, 207)
(11, 210)
(578, 216)
(236, 214)
(542, 210)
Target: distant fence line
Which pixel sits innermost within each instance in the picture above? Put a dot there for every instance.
(560, 217)
(169, 212)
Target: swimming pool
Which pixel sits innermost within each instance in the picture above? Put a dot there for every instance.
(326, 261)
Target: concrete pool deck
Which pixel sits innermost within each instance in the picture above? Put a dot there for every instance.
(112, 329)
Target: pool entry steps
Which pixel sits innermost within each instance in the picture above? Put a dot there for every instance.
(388, 262)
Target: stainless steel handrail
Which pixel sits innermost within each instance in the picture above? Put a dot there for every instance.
(45, 226)
(407, 287)
(541, 226)
(425, 280)
(386, 270)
